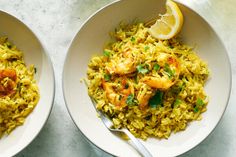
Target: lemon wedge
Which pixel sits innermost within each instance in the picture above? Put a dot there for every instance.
(169, 24)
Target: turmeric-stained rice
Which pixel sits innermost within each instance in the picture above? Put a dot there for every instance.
(19, 92)
(152, 87)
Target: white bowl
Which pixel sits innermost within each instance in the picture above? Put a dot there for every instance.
(34, 53)
(90, 40)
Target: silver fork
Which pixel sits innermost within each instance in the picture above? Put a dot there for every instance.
(142, 150)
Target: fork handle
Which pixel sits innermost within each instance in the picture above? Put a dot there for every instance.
(138, 145)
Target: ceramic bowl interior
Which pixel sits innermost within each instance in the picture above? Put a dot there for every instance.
(34, 53)
(90, 40)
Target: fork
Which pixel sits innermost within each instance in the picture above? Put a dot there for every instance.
(142, 150)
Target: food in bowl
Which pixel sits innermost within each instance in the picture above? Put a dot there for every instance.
(19, 93)
(151, 86)
(91, 39)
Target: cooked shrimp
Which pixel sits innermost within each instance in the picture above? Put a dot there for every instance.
(10, 73)
(113, 97)
(167, 75)
(143, 96)
(117, 97)
(122, 66)
(158, 82)
(8, 87)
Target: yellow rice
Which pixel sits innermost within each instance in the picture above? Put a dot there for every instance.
(182, 103)
(16, 107)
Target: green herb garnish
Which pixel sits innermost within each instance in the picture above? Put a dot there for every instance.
(199, 102)
(106, 53)
(132, 39)
(195, 109)
(141, 69)
(156, 67)
(130, 100)
(177, 102)
(146, 48)
(156, 99)
(126, 86)
(107, 77)
(169, 72)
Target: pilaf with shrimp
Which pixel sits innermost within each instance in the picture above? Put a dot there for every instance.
(152, 87)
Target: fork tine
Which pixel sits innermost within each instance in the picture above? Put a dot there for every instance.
(107, 121)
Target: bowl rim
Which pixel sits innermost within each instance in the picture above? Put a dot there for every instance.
(45, 51)
(113, 3)
(63, 72)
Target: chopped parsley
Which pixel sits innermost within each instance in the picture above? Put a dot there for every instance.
(169, 72)
(106, 53)
(195, 109)
(156, 67)
(130, 100)
(198, 105)
(199, 102)
(156, 100)
(107, 77)
(177, 102)
(141, 69)
(126, 86)
(146, 48)
(132, 39)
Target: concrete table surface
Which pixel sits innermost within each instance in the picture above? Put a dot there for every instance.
(56, 23)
